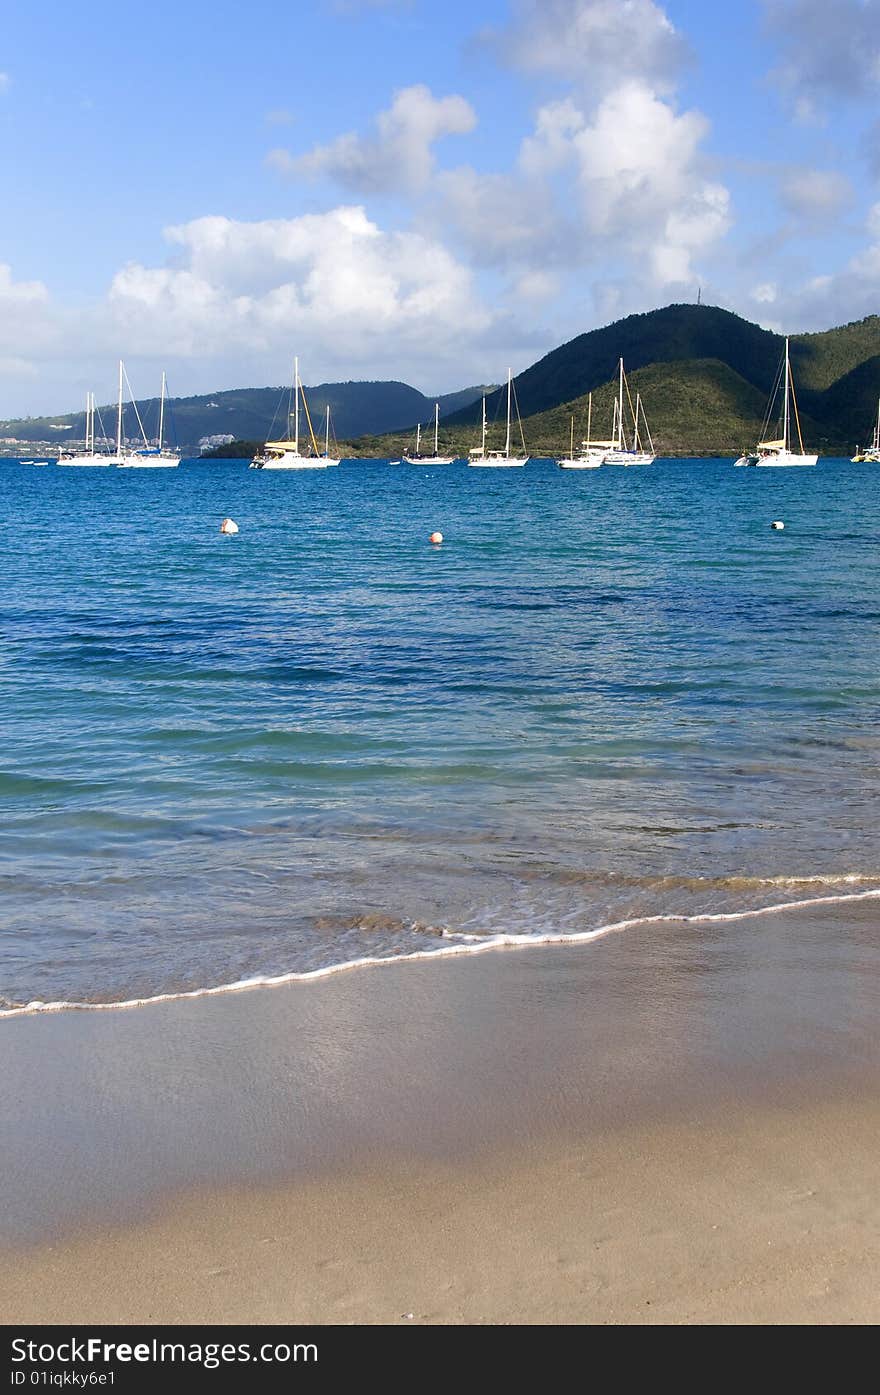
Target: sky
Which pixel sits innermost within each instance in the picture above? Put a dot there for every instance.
(418, 190)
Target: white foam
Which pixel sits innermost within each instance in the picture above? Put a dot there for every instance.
(468, 944)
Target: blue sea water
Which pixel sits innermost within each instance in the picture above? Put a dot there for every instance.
(607, 695)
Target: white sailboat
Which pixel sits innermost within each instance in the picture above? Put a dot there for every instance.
(285, 455)
(147, 456)
(89, 455)
(479, 456)
(436, 459)
(871, 454)
(778, 453)
(590, 453)
(622, 452)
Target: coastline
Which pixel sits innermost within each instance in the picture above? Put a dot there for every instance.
(464, 944)
(673, 1124)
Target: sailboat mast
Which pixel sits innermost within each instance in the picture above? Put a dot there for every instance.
(509, 388)
(571, 443)
(327, 433)
(119, 415)
(296, 406)
(620, 410)
(436, 425)
(483, 440)
(162, 412)
(786, 428)
(589, 418)
(636, 441)
(877, 428)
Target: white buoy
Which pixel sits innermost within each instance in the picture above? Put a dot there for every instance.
(777, 525)
(229, 525)
(436, 538)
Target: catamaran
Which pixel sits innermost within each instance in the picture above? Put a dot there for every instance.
(871, 454)
(629, 450)
(89, 455)
(479, 456)
(147, 456)
(416, 458)
(779, 452)
(285, 455)
(590, 453)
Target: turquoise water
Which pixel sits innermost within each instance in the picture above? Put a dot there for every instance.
(606, 695)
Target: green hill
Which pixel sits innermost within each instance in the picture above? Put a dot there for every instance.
(704, 374)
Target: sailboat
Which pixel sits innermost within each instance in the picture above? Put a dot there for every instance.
(622, 452)
(285, 455)
(779, 452)
(88, 456)
(590, 453)
(871, 454)
(478, 455)
(146, 457)
(436, 459)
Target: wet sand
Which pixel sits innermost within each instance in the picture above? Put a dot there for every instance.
(672, 1124)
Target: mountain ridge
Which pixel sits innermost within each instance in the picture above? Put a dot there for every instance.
(704, 373)
(357, 408)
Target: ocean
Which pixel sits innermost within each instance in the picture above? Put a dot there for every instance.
(609, 696)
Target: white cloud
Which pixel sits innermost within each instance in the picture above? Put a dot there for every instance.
(4, 82)
(355, 298)
(20, 295)
(827, 50)
(639, 177)
(501, 219)
(591, 42)
(398, 157)
(836, 297)
(815, 194)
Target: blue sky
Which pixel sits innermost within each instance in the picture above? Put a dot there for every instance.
(418, 190)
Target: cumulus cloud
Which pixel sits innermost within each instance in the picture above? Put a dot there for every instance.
(25, 315)
(827, 50)
(613, 170)
(398, 157)
(590, 42)
(350, 293)
(612, 166)
(639, 176)
(501, 219)
(20, 295)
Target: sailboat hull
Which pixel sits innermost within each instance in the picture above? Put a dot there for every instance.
(577, 464)
(85, 461)
(783, 459)
(315, 462)
(628, 457)
(149, 462)
(428, 459)
(511, 464)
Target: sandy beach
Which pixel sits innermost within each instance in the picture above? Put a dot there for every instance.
(674, 1124)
